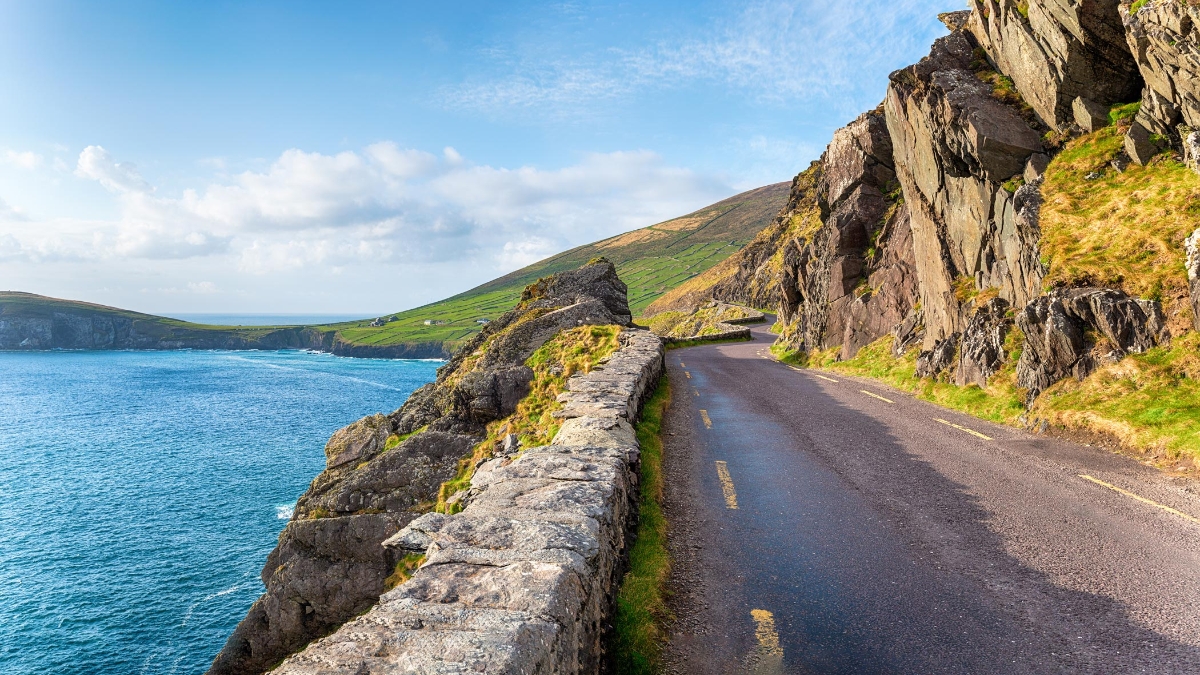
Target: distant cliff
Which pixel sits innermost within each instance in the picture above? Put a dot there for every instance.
(31, 322)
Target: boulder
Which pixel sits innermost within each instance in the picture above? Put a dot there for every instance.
(1057, 51)
(357, 442)
(1192, 247)
(1035, 168)
(1069, 332)
(981, 352)
(1189, 140)
(1140, 147)
(1089, 115)
(931, 362)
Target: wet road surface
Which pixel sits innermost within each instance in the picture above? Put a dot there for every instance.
(826, 524)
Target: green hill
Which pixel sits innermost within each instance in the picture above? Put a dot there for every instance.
(652, 261)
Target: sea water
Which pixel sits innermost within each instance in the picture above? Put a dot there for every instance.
(140, 493)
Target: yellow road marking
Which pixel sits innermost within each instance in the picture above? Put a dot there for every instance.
(828, 379)
(969, 431)
(689, 375)
(681, 365)
(887, 400)
(696, 393)
(707, 420)
(765, 633)
(1140, 498)
(726, 485)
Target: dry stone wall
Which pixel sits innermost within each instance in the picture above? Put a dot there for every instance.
(523, 580)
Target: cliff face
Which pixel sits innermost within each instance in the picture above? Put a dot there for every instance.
(384, 471)
(921, 220)
(956, 144)
(1056, 51)
(1165, 42)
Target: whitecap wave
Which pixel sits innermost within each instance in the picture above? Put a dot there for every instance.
(285, 511)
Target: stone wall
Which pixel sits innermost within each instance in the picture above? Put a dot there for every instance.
(524, 579)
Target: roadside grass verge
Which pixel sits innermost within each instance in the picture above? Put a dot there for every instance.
(1149, 403)
(641, 601)
(696, 343)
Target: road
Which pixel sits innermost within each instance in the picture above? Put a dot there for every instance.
(825, 524)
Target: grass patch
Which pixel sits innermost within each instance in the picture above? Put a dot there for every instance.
(404, 570)
(575, 350)
(1001, 401)
(703, 321)
(1149, 401)
(641, 600)
(1122, 230)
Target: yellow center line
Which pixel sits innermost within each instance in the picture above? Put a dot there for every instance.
(827, 379)
(886, 400)
(707, 420)
(1140, 498)
(726, 485)
(681, 365)
(689, 375)
(969, 431)
(765, 633)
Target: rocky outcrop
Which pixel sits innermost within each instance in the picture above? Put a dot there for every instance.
(1071, 332)
(1165, 42)
(850, 279)
(982, 353)
(955, 146)
(383, 471)
(524, 579)
(1192, 249)
(1058, 51)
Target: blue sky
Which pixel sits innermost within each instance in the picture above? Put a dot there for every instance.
(369, 157)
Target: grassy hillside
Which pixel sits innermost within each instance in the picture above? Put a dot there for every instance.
(652, 261)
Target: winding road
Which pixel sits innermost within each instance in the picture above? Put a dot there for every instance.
(825, 524)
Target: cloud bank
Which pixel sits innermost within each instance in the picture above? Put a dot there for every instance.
(382, 204)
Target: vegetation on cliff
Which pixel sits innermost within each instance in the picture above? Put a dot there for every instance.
(1121, 229)
(573, 351)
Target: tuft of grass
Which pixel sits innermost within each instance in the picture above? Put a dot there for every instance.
(1124, 112)
(575, 350)
(1137, 6)
(404, 570)
(641, 601)
(1148, 401)
(1123, 230)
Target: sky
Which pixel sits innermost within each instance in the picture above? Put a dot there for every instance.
(362, 157)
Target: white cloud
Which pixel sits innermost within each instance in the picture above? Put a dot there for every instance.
(383, 205)
(204, 287)
(96, 164)
(22, 160)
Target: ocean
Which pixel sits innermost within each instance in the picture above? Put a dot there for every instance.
(140, 493)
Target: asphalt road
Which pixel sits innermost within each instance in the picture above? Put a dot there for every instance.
(818, 528)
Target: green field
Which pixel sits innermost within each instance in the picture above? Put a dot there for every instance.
(651, 261)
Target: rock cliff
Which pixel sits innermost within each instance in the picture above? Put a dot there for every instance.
(385, 470)
(922, 218)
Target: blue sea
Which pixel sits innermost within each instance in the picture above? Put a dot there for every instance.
(140, 493)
